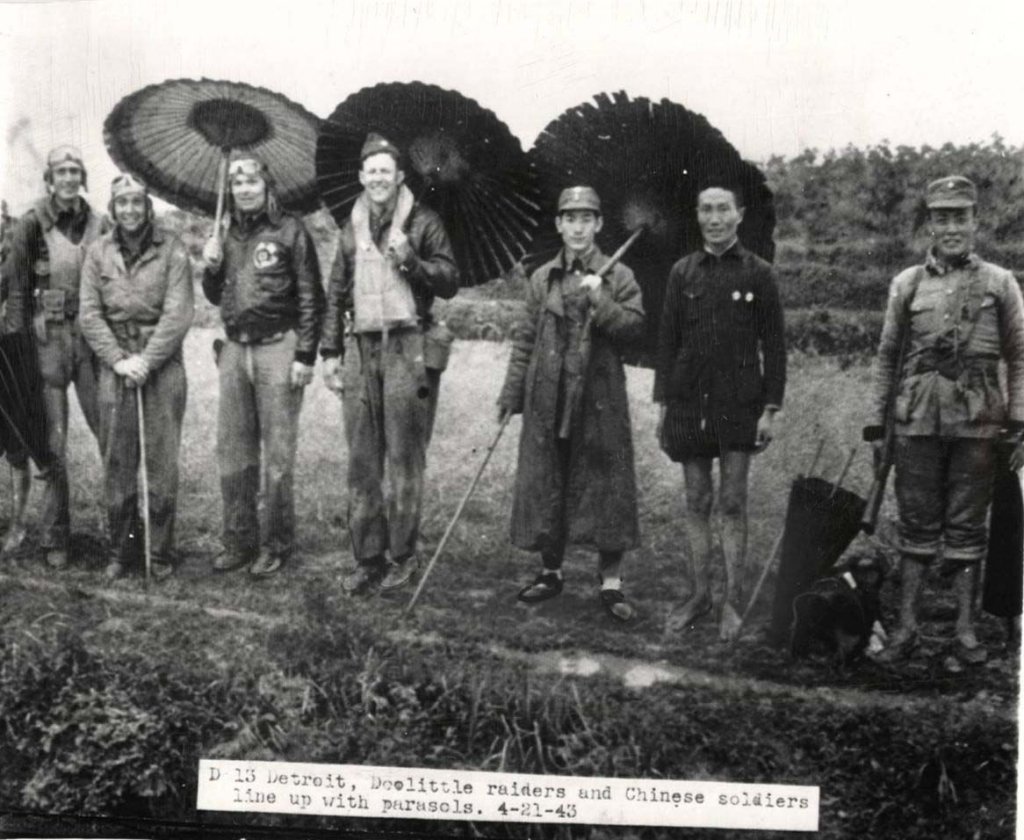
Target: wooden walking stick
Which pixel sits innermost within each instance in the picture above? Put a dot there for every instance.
(145, 483)
(458, 513)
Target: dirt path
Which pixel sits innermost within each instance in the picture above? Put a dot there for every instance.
(631, 672)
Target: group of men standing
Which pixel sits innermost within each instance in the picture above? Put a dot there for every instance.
(109, 309)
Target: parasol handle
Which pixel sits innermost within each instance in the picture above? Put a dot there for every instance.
(845, 470)
(817, 456)
(222, 178)
(613, 260)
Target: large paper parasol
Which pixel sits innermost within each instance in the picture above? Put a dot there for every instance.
(462, 161)
(176, 136)
(648, 161)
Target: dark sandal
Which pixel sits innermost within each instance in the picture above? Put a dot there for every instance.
(612, 599)
(546, 585)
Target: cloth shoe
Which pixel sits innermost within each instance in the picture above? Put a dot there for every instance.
(546, 585)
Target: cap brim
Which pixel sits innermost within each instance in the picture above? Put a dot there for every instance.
(589, 207)
(949, 203)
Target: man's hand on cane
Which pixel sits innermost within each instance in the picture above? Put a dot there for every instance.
(134, 369)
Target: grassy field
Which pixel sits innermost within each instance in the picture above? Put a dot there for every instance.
(247, 657)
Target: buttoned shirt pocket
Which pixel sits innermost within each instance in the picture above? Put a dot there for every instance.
(985, 338)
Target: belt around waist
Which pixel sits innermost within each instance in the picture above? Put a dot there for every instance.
(395, 330)
(245, 337)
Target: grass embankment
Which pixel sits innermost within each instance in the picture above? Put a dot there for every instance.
(320, 678)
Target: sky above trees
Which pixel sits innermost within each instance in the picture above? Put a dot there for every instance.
(776, 76)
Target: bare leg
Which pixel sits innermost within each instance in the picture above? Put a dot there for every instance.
(20, 483)
(697, 477)
(735, 467)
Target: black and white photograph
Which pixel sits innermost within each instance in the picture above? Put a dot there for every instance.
(576, 419)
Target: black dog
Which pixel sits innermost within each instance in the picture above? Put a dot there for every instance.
(837, 613)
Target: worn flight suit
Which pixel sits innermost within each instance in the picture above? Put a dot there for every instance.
(47, 253)
(950, 407)
(139, 303)
(390, 394)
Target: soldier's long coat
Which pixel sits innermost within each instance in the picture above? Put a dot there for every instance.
(593, 504)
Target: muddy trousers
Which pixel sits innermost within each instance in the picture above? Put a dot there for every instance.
(64, 358)
(257, 427)
(943, 490)
(163, 405)
(389, 406)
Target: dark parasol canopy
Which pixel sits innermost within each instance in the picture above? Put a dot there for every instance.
(23, 427)
(648, 161)
(175, 136)
(822, 520)
(461, 160)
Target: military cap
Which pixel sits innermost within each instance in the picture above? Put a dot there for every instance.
(951, 191)
(64, 154)
(376, 144)
(126, 184)
(579, 198)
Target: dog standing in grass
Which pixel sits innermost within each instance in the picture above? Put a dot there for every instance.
(575, 482)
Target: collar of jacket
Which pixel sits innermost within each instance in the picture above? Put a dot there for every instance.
(396, 215)
(557, 270)
(736, 251)
(937, 268)
(246, 223)
(49, 213)
(151, 238)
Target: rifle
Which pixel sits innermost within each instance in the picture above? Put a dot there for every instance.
(884, 463)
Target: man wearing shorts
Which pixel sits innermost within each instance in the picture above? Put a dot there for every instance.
(719, 380)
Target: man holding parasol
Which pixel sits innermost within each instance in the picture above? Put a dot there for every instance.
(394, 257)
(266, 279)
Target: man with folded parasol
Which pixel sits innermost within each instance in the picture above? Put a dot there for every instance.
(43, 270)
(266, 279)
(393, 258)
(575, 483)
(950, 321)
(719, 379)
(136, 309)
